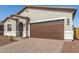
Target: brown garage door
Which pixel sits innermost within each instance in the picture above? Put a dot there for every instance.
(49, 30)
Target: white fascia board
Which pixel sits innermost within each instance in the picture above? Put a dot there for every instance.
(47, 20)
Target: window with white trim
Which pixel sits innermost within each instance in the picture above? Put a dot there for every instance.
(9, 27)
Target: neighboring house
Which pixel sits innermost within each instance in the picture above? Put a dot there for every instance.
(1, 28)
(41, 22)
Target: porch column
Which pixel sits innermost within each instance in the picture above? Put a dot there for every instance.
(27, 28)
(17, 28)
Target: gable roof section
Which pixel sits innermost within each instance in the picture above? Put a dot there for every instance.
(63, 9)
(15, 18)
(73, 10)
(9, 18)
(19, 16)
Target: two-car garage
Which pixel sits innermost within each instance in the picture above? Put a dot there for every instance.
(48, 29)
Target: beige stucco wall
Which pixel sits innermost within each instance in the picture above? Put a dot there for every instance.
(13, 25)
(38, 14)
(24, 24)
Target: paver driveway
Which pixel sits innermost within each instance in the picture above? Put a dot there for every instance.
(70, 47)
(35, 45)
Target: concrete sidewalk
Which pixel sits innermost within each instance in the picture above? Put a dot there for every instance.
(33, 45)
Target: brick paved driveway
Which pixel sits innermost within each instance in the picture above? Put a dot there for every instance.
(70, 47)
(33, 45)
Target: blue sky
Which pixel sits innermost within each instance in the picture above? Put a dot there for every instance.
(6, 10)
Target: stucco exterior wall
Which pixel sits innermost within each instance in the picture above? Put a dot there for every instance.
(24, 24)
(38, 14)
(13, 25)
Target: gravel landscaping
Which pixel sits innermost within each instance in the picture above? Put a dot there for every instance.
(4, 40)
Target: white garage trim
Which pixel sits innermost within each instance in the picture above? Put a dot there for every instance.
(47, 20)
(43, 21)
(67, 34)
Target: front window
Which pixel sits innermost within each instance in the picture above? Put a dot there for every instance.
(9, 27)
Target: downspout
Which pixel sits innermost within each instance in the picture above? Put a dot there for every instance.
(72, 20)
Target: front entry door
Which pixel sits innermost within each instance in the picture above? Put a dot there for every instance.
(20, 29)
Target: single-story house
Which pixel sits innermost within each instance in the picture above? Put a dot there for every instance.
(41, 22)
